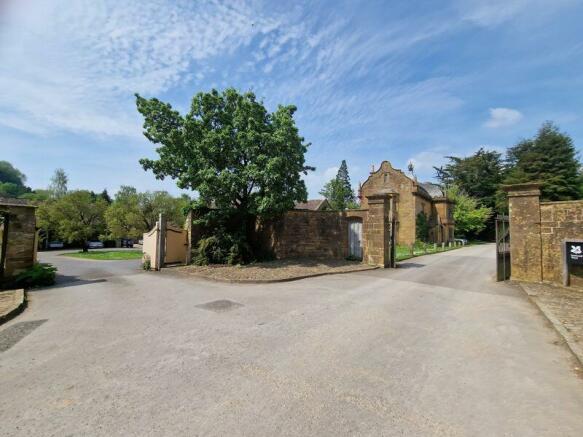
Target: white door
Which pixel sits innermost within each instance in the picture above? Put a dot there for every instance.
(355, 239)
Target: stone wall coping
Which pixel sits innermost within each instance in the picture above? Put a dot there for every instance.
(561, 202)
(22, 203)
(527, 189)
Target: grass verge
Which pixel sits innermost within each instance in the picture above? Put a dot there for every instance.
(404, 252)
(107, 255)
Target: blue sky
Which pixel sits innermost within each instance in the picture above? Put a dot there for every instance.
(374, 80)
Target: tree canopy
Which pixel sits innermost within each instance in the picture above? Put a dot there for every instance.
(12, 181)
(478, 175)
(58, 184)
(338, 191)
(469, 216)
(132, 213)
(77, 216)
(550, 158)
(242, 159)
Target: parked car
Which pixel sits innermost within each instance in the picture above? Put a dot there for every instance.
(55, 245)
(95, 245)
(463, 241)
(127, 242)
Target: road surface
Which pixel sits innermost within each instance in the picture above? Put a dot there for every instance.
(432, 348)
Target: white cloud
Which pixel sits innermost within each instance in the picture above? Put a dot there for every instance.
(489, 13)
(74, 65)
(503, 117)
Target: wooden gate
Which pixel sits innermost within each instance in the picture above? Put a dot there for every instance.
(502, 248)
(355, 239)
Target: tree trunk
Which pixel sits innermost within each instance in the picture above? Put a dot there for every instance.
(85, 246)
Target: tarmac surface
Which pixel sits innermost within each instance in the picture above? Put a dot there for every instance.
(435, 347)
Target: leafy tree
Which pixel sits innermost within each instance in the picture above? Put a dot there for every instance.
(105, 196)
(10, 174)
(77, 216)
(58, 185)
(132, 213)
(11, 181)
(37, 196)
(478, 175)
(470, 217)
(339, 191)
(550, 158)
(243, 160)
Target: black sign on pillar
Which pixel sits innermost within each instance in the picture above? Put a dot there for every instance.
(574, 253)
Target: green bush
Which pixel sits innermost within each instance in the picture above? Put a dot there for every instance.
(222, 249)
(147, 263)
(38, 275)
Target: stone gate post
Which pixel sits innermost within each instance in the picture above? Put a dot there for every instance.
(377, 231)
(525, 232)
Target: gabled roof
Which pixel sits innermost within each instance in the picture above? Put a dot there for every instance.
(313, 205)
(433, 190)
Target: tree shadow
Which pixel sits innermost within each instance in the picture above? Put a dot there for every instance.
(63, 281)
(405, 265)
(304, 262)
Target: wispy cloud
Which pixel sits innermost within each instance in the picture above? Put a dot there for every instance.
(503, 117)
(75, 65)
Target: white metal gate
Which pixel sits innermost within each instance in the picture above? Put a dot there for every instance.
(355, 239)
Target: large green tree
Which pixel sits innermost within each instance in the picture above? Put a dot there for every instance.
(58, 184)
(77, 216)
(11, 181)
(550, 158)
(243, 160)
(338, 191)
(478, 175)
(470, 217)
(132, 213)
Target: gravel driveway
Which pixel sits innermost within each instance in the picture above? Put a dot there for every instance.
(433, 348)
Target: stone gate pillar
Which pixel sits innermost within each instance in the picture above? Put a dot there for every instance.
(377, 231)
(525, 236)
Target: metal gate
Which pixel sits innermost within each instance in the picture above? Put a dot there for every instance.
(502, 248)
(355, 239)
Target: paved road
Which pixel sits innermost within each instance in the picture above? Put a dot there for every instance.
(433, 348)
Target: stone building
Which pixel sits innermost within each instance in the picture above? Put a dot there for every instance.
(410, 199)
(17, 237)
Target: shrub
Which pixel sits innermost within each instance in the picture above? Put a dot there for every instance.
(222, 249)
(147, 263)
(38, 275)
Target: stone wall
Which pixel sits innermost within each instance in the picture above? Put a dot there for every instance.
(303, 233)
(560, 221)
(538, 231)
(20, 236)
(322, 234)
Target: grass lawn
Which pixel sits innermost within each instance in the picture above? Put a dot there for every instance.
(404, 252)
(107, 255)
